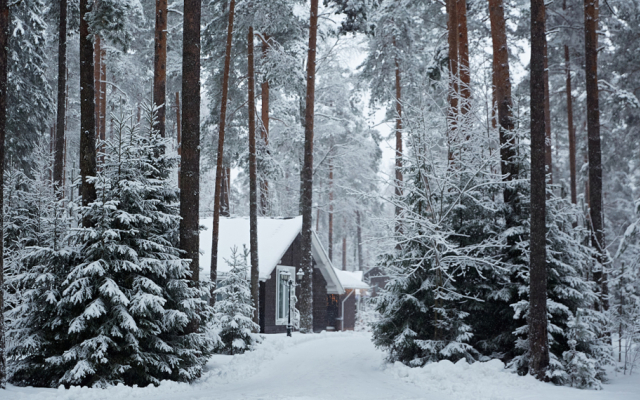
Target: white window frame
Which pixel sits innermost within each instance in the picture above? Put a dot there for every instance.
(279, 270)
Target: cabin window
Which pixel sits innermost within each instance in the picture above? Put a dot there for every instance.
(283, 274)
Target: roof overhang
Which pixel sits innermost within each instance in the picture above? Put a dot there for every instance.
(324, 265)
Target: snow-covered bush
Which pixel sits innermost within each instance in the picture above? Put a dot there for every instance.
(234, 309)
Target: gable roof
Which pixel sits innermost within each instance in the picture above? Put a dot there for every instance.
(328, 272)
(275, 236)
(351, 279)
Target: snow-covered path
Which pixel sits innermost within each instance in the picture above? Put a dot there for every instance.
(340, 366)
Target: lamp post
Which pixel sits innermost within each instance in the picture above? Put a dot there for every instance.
(287, 277)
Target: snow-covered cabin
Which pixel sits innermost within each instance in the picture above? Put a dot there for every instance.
(279, 253)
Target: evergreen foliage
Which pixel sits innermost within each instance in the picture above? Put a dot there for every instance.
(29, 103)
(459, 276)
(126, 300)
(40, 259)
(234, 309)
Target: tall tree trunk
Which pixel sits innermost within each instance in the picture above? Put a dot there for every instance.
(264, 132)
(103, 96)
(224, 194)
(452, 35)
(538, 342)
(330, 238)
(4, 61)
(399, 178)
(306, 195)
(253, 182)
(548, 160)
(160, 65)
(58, 164)
(502, 93)
(190, 159)
(97, 54)
(220, 155)
(591, 16)
(178, 132)
(344, 252)
(87, 112)
(463, 53)
(359, 238)
(572, 129)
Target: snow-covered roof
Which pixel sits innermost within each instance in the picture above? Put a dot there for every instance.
(351, 279)
(275, 235)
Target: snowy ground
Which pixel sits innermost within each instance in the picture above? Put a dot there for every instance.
(340, 366)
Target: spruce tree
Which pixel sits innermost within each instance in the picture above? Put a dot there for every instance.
(40, 263)
(234, 310)
(127, 302)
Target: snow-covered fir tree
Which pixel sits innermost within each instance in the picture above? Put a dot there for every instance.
(125, 304)
(234, 309)
(39, 265)
(423, 308)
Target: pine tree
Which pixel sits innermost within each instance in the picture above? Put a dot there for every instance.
(128, 302)
(58, 169)
(220, 153)
(538, 341)
(190, 150)
(87, 111)
(235, 310)
(445, 248)
(306, 178)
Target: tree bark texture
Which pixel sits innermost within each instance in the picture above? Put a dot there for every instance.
(502, 93)
(306, 195)
(548, 159)
(344, 251)
(97, 54)
(463, 53)
(330, 217)
(591, 11)
(160, 65)
(538, 342)
(58, 163)
(220, 155)
(399, 178)
(102, 125)
(87, 112)
(190, 159)
(253, 181)
(224, 193)
(359, 238)
(452, 37)
(4, 62)
(572, 129)
(264, 132)
(178, 132)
